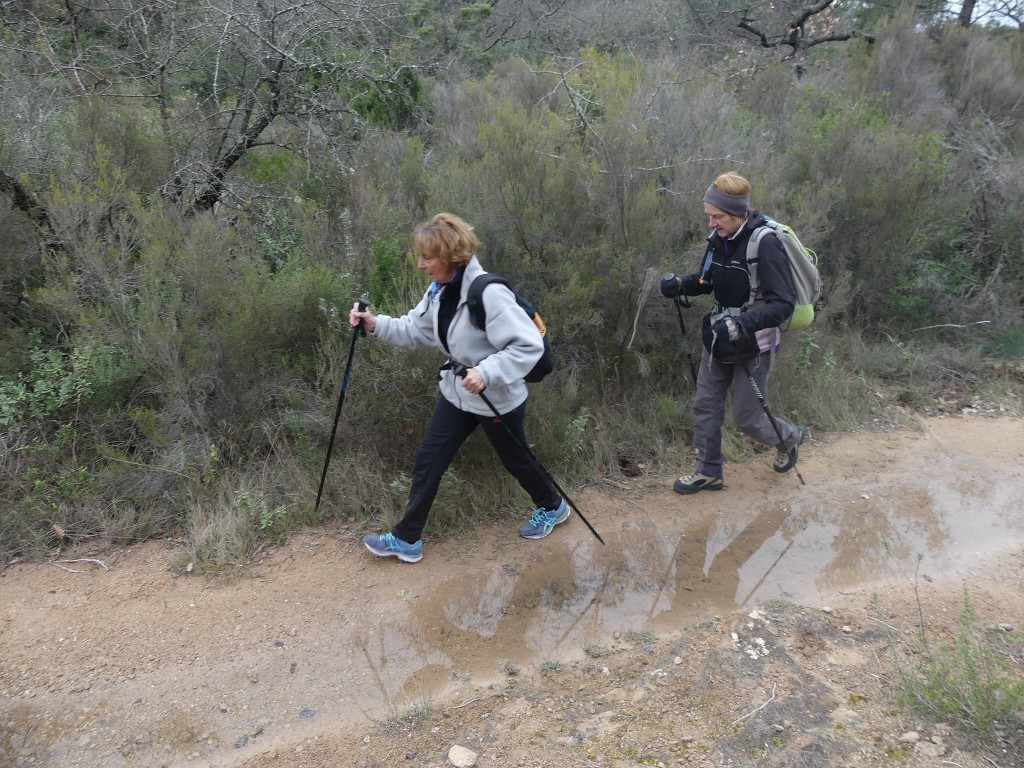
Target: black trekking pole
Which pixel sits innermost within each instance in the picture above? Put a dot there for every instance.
(460, 370)
(680, 303)
(764, 405)
(358, 331)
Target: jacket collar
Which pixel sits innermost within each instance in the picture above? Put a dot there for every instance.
(753, 222)
(472, 272)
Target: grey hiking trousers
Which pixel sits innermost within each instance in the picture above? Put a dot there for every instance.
(713, 382)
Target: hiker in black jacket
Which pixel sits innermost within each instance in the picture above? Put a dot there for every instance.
(736, 330)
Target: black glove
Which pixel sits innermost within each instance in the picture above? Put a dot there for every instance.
(727, 328)
(671, 286)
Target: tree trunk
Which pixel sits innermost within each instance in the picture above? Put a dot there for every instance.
(966, 13)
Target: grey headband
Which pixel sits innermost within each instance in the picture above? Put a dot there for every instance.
(737, 205)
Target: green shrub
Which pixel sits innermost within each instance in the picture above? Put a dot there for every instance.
(53, 383)
(394, 287)
(967, 681)
(1008, 344)
(193, 362)
(390, 104)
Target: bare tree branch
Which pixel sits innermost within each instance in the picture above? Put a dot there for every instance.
(22, 199)
(795, 35)
(224, 76)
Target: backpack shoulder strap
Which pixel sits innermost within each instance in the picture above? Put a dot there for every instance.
(753, 245)
(475, 297)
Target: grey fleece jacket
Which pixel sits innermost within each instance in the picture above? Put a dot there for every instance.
(503, 353)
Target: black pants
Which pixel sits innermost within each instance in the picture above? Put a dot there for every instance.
(448, 429)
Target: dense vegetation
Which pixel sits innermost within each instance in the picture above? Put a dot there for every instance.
(194, 193)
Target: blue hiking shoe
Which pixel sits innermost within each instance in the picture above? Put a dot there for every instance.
(542, 521)
(386, 545)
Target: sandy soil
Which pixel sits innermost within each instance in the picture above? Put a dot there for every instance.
(764, 625)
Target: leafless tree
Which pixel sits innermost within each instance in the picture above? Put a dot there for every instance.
(966, 13)
(805, 28)
(224, 76)
(1003, 13)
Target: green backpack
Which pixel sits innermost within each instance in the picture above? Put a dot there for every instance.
(803, 269)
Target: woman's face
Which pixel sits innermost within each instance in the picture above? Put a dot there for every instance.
(436, 270)
(725, 224)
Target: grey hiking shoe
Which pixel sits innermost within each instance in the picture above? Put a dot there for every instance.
(697, 482)
(786, 460)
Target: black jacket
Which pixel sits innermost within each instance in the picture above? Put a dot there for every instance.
(723, 272)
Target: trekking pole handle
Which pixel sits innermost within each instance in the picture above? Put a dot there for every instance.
(460, 371)
(672, 288)
(363, 302)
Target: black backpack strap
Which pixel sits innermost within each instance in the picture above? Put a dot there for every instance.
(475, 297)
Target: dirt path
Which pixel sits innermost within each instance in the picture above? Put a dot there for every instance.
(697, 636)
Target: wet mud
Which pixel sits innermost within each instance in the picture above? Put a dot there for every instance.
(132, 666)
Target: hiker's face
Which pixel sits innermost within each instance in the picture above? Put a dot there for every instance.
(725, 224)
(436, 270)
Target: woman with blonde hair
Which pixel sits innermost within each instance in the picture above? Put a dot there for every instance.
(497, 358)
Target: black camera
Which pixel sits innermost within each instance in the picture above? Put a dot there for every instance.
(671, 286)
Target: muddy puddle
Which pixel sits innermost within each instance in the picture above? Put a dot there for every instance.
(131, 666)
(888, 513)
